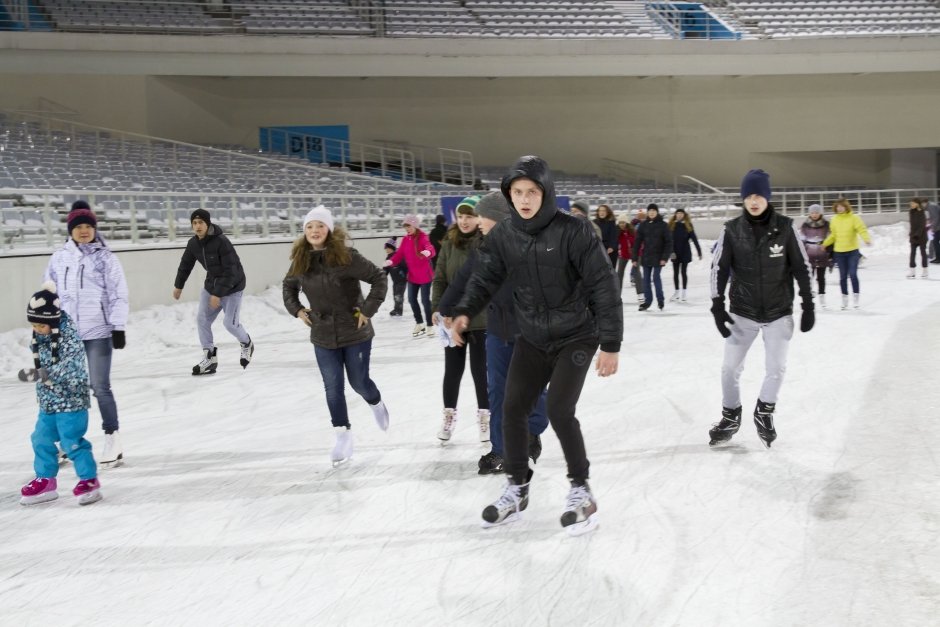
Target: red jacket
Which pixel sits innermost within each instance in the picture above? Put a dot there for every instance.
(626, 244)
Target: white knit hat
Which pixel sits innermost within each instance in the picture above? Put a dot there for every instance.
(320, 214)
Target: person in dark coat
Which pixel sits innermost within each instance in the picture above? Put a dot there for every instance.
(399, 276)
(813, 233)
(610, 234)
(221, 292)
(329, 274)
(761, 253)
(566, 303)
(918, 236)
(652, 249)
(933, 218)
(436, 235)
(680, 227)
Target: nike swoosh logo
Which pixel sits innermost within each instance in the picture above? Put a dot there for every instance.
(548, 250)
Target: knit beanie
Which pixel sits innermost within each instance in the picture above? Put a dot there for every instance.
(756, 182)
(652, 206)
(202, 214)
(470, 203)
(815, 208)
(43, 308)
(412, 220)
(81, 213)
(582, 205)
(493, 206)
(320, 214)
(390, 243)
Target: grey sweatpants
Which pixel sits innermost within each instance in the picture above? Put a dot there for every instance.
(744, 331)
(231, 305)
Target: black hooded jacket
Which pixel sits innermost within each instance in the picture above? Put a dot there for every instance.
(215, 253)
(762, 260)
(564, 289)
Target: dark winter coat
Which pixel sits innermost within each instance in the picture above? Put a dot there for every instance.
(653, 242)
(812, 234)
(563, 287)
(335, 296)
(610, 234)
(500, 315)
(761, 270)
(933, 212)
(397, 273)
(215, 253)
(436, 237)
(918, 235)
(681, 236)
(452, 258)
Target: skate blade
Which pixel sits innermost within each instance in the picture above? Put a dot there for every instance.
(765, 443)
(508, 519)
(202, 374)
(583, 527)
(720, 443)
(39, 498)
(89, 498)
(117, 463)
(341, 462)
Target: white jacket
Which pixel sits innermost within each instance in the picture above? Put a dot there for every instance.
(91, 286)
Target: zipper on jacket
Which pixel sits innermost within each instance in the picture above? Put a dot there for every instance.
(65, 280)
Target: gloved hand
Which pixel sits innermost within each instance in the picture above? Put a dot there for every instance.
(32, 375)
(808, 319)
(118, 340)
(426, 253)
(722, 319)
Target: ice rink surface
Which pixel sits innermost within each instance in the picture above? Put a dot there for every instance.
(227, 511)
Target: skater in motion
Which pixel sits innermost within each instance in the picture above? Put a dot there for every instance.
(93, 291)
(652, 249)
(399, 276)
(762, 253)
(62, 390)
(813, 232)
(328, 273)
(221, 292)
(680, 226)
(918, 235)
(844, 230)
(416, 251)
(566, 302)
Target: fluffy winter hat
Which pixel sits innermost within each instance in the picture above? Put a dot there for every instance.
(43, 307)
(581, 205)
(391, 243)
(81, 213)
(493, 206)
(756, 182)
(815, 208)
(412, 219)
(470, 202)
(320, 214)
(202, 214)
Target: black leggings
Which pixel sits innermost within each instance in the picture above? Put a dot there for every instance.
(923, 254)
(455, 359)
(680, 267)
(821, 278)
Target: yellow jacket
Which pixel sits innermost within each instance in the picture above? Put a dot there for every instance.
(844, 231)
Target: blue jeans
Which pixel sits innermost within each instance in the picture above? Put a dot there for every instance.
(652, 274)
(99, 371)
(69, 429)
(425, 289)
(498, 356)
(355, 360)
(848, 269)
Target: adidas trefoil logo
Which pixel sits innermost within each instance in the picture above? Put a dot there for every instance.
(776, 250)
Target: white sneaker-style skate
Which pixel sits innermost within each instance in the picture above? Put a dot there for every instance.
(855, 303)
(209, 363)
(845, 302)
(822, 301)
(910, 273)
(381, 415)
(580, 515)
(343, 448)
(247, 351)
(510, 504)
(923, 273)
(483, 418)
(113, 455)
(447, 428)
(675, 296)
(682, 296)
(419, 330)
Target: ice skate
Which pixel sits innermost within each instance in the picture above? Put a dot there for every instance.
(343, 448)
(63, 456)
(845, 302)
(483, 418)
(855, 300)
(923, 273)
(580, 515)
(380, 411)
(910, 273)
(247, 351)
(822, 301)
(87, 491)
(675, 297)
(764, 421)
(721, 431)
(419, 330)
(535, 448)
(682, 298)
(644, 306)
(39, 490)
(490, 464)
(113, 455)
(661, 305)
(447, 427)
(510, 505)
(209, 363)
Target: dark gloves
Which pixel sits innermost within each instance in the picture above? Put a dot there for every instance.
(722, 319)
(31, 375)
(118, 340)
(808, 319)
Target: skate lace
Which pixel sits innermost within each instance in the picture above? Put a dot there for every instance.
(576, 498)
(449, 419)
(246, 351)
(205, 363)
(484, 418)
(510, 497)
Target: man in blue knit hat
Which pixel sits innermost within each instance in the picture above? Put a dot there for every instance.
(761, 252)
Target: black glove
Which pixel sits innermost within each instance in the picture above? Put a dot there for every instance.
(722, 319)
(31, 375)
(118, 340)
(808, 319)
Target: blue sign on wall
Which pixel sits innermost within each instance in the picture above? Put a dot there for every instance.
(318, 144)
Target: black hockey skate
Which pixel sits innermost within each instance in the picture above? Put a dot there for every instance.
(764, 421)
(513, 500)
(247, 351)
(644, 306)
(490, 464)
(535, 448)
(730, 422)
(209, 363)
(580, 515)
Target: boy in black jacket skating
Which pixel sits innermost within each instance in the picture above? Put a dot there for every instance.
(566, 303)
(221, 292)
(762, 253)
